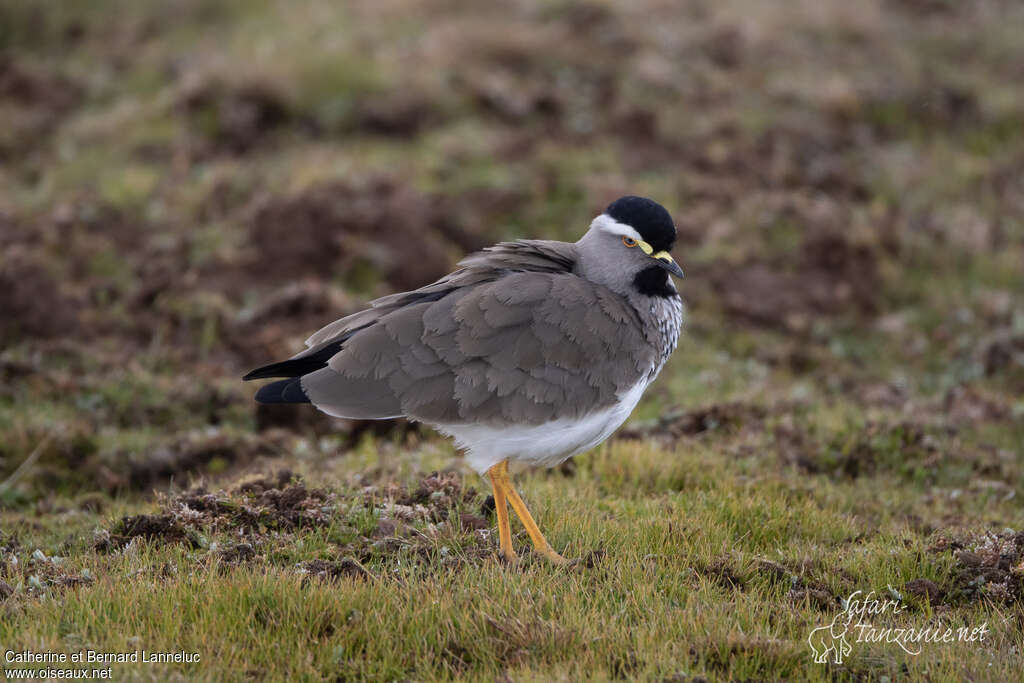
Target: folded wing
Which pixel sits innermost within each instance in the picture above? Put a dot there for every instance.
(512, 337)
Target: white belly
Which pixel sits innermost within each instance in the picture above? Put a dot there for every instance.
(547, 444)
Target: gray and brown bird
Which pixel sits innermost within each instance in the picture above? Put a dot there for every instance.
(531, 351)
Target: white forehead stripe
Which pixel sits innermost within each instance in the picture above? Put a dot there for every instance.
(606, 223)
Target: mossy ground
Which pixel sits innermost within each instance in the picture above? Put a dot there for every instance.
(187, 189)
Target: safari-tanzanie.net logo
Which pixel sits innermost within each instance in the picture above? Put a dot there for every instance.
(865, 618)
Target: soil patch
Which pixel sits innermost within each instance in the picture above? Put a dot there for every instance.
(830, 276)
(38, 100)
(721, 418)
(260, 517)
(338, 228)
(233, 118)
(191, 453)
(33, 304)
(989, 566)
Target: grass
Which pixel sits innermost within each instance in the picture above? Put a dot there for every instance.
(695, 566)
(843, 412)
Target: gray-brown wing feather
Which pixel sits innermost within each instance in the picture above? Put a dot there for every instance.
(512, 337)
(484, 266)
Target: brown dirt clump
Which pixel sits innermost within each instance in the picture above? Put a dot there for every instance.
(500, 95)
(37, 100)
(327, 570)
(298, 418)
(165, 528)
(818, 598)
(400, 113)
(440, 488)
(918, 447)
(831, 276)
(796, 447)
(305, 300)
(721, 572)
(260, 517)
(793, 574)
(233, 118)
(39, 574)
(786, 159)
(90, 270)
(29, 86)
(775, 572)
(473, 522)
(989, 566)
(718, 418)
(184, 518)
(296, 309)
(970, 405)
(290, 507)
(189, 453)
(929, 105)
(336, 227)
(33, 304)
(236, 554)
(470, 219)
(925, 590)
(1002, 352)
(259, 484)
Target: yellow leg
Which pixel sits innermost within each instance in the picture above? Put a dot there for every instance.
(504, 530)
(500, 480)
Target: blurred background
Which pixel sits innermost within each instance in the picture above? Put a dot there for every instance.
(189, 188)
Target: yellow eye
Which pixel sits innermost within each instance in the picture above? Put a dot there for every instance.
(629, 241)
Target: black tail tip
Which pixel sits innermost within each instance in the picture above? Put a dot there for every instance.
(282, 391)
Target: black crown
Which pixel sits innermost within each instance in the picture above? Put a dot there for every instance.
(647, 217)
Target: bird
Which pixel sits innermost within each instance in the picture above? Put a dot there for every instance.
(530, 351)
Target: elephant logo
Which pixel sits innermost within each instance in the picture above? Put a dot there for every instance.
(831, 639)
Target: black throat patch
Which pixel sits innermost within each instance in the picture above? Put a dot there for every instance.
(653, 281)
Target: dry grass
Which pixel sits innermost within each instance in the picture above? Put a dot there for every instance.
(187, 189)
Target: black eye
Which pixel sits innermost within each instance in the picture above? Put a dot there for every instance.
(629, 241)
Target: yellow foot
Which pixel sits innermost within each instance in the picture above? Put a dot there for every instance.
(554, 558)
